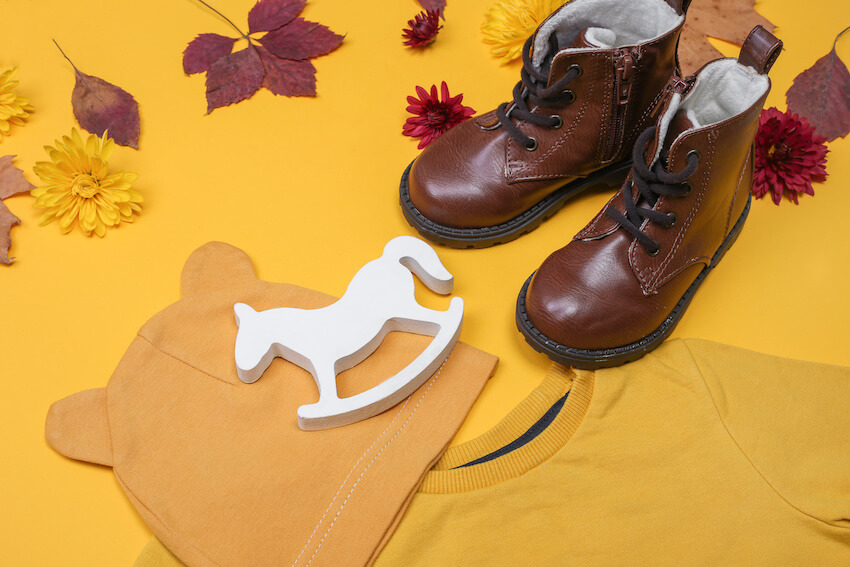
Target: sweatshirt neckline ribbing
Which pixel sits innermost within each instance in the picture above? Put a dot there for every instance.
(449, 476)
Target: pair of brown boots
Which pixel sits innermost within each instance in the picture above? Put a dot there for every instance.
(601, 100)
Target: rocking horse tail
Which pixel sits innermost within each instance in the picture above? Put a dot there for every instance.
(418, 257)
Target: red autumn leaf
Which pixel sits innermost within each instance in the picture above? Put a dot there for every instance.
(821, 95)
(234, 77)
(278, 61)
(301, 39)
(433, 5)
(287, 77)
(204, 50)
(12, 182)
(268, 15)
(100, 106)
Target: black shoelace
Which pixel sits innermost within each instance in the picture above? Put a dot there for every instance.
(532, 89)
(652, 183)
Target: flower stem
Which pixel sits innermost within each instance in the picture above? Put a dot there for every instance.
(226, 19)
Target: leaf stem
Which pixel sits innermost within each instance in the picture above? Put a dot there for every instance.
(226, 19)
(842, 32)
(63, 55)
(81, 76)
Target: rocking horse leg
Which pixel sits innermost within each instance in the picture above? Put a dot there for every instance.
(326, 381)
(444, 326)
(325, 377)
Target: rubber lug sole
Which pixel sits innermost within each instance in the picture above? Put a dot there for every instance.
(483, 237)
(606, 358)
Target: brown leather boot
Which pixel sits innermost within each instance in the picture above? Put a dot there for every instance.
(591, 73)
(617, 290)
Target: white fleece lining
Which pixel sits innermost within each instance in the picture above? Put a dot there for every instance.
(631, 22)
(664, 123)
(723, 89)
(600, 37)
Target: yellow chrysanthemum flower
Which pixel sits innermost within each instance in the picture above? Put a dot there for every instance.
(13, 107)
(510, 22)
(80, 187)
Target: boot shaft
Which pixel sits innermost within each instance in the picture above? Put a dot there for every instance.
(713, 115)
(627, 54)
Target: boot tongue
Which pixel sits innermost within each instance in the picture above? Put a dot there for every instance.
(678, 123)
(593, 38)
(672, 124)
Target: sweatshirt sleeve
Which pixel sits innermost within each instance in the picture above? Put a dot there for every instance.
(790, 418)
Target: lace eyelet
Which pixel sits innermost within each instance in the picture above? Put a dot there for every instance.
(693, 152)
(688, 188)
(654, 252)
(559, 123)
(673, 219)
(577, 67)
(570, 94)
(532, 145)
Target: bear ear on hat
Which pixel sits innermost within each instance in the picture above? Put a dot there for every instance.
(214, 266)
(78, 427)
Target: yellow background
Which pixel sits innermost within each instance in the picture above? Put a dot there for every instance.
(308, 187)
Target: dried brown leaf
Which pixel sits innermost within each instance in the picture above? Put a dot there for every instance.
(12, 180)
(728, 20)
(7, 221)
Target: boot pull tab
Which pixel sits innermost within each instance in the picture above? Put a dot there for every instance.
(760, 50)
(681, 6)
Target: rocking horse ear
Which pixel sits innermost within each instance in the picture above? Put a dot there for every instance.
(214, 266)
(243, 312)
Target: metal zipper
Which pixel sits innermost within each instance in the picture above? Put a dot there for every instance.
(674, 85)
(624, 71)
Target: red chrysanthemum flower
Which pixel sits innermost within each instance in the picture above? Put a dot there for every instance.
(432, 116)
(789, 156)
(422, 30)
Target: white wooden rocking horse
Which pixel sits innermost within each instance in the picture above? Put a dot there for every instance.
(331, 339)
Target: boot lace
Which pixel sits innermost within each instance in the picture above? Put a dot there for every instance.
(652, 183)
(532, 89)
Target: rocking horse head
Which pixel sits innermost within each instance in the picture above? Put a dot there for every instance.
(328, 340)
(252, 345)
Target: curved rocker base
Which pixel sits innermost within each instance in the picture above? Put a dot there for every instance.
(336, 412)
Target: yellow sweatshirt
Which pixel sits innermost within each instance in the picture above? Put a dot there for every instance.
(697, 454)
